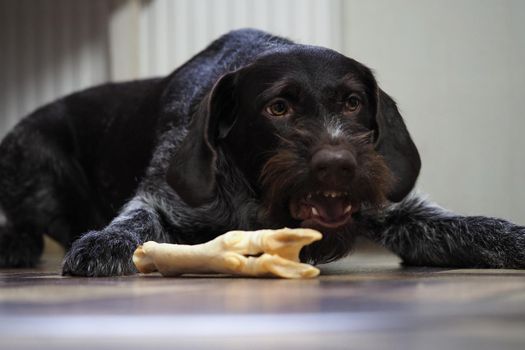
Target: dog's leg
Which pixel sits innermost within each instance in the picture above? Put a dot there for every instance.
(42, 191)
(422, 233)
(109, 252)
(19, 248)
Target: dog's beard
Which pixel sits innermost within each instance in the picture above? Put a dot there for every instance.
(286, 178)
(332, 247)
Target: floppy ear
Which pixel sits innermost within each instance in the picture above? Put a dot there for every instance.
(396, 146)
(192, 168)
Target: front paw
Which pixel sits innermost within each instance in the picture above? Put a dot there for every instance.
(101, 253)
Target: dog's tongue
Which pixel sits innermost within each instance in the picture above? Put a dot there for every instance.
(329, 209)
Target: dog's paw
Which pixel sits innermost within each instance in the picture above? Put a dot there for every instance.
(101, 253)
(19, 249)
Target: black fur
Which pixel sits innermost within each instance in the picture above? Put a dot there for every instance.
(190, 156)
(422, 233)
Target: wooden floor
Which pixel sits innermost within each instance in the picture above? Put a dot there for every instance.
(366, 302)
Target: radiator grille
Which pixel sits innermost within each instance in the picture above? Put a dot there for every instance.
(52, 47)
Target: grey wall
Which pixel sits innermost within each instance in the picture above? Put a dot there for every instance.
(49, 48)
(457, 70)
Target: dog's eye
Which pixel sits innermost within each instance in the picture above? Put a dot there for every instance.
(352, 103)
(278, 108)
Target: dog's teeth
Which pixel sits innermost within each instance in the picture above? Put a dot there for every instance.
(309, 196)
(315, 212)
(348, 208)
(332, 194)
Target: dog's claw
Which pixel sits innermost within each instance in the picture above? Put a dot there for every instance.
(91, 255)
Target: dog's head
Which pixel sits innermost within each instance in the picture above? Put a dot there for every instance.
(314, 136)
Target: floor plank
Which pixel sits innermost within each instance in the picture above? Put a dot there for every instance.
(368, 301)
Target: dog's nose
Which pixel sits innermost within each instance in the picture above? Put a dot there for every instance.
(333, 165)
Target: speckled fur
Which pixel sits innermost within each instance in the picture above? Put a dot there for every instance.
(422, 233)
(48, 185)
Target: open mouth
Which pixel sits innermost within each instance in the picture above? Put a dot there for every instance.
(324, 209)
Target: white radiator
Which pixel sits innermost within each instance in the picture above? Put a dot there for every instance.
(172, 31)
(49, 48)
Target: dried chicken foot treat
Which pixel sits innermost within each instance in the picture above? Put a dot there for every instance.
(243, 253)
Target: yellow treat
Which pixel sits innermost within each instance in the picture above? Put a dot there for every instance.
(243, 253)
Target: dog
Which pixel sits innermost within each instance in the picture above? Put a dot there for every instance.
(253, 132)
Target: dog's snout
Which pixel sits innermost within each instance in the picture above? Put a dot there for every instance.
(333, 165)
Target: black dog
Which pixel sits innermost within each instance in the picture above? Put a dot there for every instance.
(253, 132)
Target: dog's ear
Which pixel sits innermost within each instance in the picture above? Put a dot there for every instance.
(192, 168)
(396, 146)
